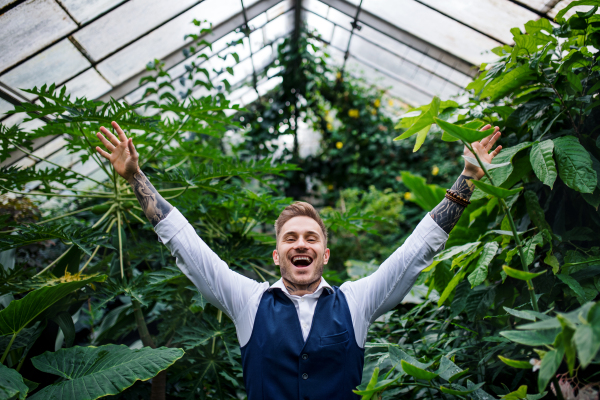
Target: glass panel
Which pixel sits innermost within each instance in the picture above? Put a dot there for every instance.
(126, 23)
(4, 107)
(264, 87)
(240, 72)
(89, 84)
(317, 7)
(539, 5)
(164, 40)
(340, 38)
(279, 27)
(54, 65)
(384, 41)
(85, 10)
(248, 97)
(4, 3)
(258, 21)
(439, 30)
(263, 58)
(476, 13)
(30, 27)
(248, 3)
(398, 89)
(340, 19)
(279, 9)
(257, 39)
(321, 25)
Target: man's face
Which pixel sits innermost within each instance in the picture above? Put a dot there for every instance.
(301, 251)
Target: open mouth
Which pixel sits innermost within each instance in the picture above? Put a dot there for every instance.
(301, 261)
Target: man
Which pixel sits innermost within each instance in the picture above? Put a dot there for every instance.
(300, 338)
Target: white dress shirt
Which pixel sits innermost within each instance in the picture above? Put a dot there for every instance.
(239, 296)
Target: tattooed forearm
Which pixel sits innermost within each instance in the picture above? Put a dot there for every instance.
(155, 207)
(447, 213)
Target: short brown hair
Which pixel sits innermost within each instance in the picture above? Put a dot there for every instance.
(299, 209)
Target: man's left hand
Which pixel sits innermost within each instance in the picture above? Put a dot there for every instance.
(482, 149)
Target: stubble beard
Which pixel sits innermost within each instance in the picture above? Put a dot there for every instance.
(303, 280)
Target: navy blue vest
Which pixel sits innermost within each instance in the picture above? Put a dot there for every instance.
(279, 365)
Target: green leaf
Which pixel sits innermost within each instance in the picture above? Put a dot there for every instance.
(520, 393)
(574, 164)
(458, 376)
(424, 120)
(542, 162)
(451, 285)
(417, 372)
(65, 322)
(529, 249)
(92, 372)
(481, 268)
(526, 314)
(574, 285)
(20, 313)
(495, 190)
(532, 338)
(575, 82)
(535, 211)
(507, 82)
(466, 134)
(11, 384)
(516, 363)
(421, 136)
(426, 196)
(518, 274)
(549, 366)
(442, 276)
(528, 110)
(448, 369)
(572, 4)
(587, 340)
(461, 392)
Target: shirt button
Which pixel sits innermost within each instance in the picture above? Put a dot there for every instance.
(305, 356)
(305, 376)
(302, 300)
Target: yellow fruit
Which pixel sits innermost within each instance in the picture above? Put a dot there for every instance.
(339, 145)
(435, 170)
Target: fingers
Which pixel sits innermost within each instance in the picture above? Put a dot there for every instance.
(493, 138)
(122, 136)
(103, 153)
(485, 141)
(496, 151)
(105, 142)
(113, 139)
(132, 150)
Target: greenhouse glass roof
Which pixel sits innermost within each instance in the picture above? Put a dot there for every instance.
(100, 48)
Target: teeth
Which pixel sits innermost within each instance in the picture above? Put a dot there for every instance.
(297, 258)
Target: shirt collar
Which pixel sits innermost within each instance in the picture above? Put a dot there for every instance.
(322, 285)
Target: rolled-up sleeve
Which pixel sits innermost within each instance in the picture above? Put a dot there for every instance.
(370, 297)
(225, 289)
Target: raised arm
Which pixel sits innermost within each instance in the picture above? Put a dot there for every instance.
(370, 297)
(222, 287)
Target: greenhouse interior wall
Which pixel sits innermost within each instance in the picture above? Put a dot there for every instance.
(450, 148)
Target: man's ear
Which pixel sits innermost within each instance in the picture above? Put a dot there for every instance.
(276, 257)
(326, 256)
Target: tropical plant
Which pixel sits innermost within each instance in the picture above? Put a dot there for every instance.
(525, 247)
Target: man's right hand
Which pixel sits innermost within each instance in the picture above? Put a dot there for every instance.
(121, 152)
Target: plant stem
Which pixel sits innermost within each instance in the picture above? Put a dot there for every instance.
(159, 148)
(136, 217)
(513, 227)
(557, 388)
(57, 165)
(8, 348)
(90, 259)
(120, 243)
(85, 196)
(54, 262)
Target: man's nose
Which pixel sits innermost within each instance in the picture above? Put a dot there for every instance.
(301, 244)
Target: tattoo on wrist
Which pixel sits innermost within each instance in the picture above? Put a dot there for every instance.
(155, 207)
(447, 213)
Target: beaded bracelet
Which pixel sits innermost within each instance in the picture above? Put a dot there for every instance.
(456, 198)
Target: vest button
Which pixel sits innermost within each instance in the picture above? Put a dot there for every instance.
(305, 376)
(305, 356)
